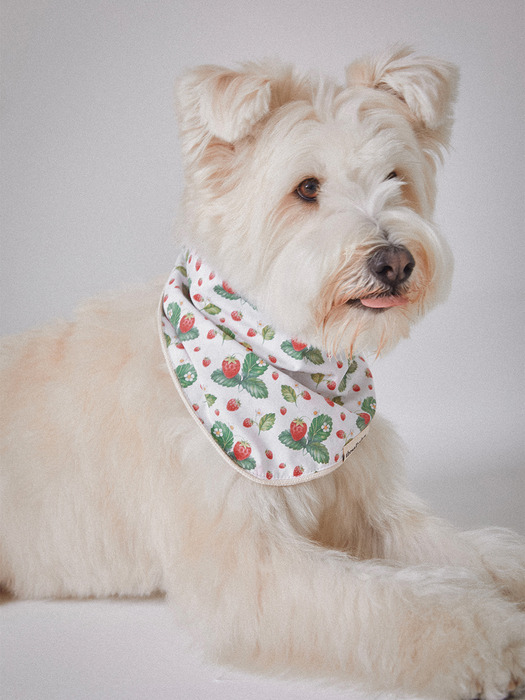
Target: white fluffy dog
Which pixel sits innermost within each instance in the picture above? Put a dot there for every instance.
(314, 201)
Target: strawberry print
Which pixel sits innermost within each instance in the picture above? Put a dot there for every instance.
(297, 345)
(245, 406)
(231, 367)
(242, 450)
(298, 429)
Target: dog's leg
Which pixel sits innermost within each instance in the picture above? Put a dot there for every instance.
(373, 515)
(268, 599)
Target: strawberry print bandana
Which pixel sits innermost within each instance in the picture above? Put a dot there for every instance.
(278, 410)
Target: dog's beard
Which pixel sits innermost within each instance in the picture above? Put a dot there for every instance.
(346, 325)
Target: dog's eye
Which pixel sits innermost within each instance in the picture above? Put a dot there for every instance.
(392, 175)
(309, 189)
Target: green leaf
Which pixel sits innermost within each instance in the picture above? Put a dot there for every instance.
(286, 438)
(288, 393)
(218, 289)
(360, 422)
(173, 314)
(316, 432)
(182, 270)
(186, 374)
(318, 452)
(338, 400)
(256, 387)
(289, 349)
(227, 334)
(222, 435)
(210, 399)
(267, 422)
(369, 405)
(189, 335)
(212, 309)
(251, 367)
(314, 355)
(317, 378)
(352, 366)
(167, 339)
(268, 333)
(248, 463)
(218, 376)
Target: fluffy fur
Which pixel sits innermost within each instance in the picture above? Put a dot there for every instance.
(346, 577)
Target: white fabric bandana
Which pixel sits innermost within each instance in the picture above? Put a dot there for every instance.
(279, 411)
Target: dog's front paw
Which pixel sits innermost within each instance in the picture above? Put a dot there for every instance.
(492, 665)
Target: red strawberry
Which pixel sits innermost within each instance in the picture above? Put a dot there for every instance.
(356, 387)
(336, 458)
(339, 364)
(306, 395)
(180, 346)
(222, 320)
(283, 410)
(165, 298)
(172, 280)
(329, 402)
(196, 349)
(331, 386)
(297, 345)
(343, 416)
(298, 471)
(186, 323)
(233, 404)
(247, 422)
(195, 406)
(272, 359)
(200, 282)
(269, 475)
(365, 417)
(211, 334)
(236, 315)
(212, 275)
(282, 465)
(370, 387)
(368, 373)
(275, 375)
(269, 454)
(231, 366)
(341, 434)
(217, 411)
(242, 450)
(227, 288)
(189, 259)
(198, 265)
(197, 297)
(252, 332)
(298, 429)
(206, 362)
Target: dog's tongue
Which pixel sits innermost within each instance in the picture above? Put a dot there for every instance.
(383, 302)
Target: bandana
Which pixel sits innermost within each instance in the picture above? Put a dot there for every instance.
(278, 410)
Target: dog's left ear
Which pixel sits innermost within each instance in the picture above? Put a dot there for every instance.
(426, 85)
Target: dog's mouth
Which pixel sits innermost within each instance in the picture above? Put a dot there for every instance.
(379, 302)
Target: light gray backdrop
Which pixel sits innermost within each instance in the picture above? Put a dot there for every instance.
(90, 183)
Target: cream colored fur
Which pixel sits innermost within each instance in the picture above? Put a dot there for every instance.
(347, 577)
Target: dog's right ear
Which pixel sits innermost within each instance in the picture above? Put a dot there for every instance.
(220, 103)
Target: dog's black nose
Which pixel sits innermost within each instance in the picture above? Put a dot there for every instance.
(392, 265)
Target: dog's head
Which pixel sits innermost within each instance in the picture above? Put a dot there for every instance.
(315, 200)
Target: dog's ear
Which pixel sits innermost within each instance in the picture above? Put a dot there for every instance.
(221, 103)
(426, 85)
